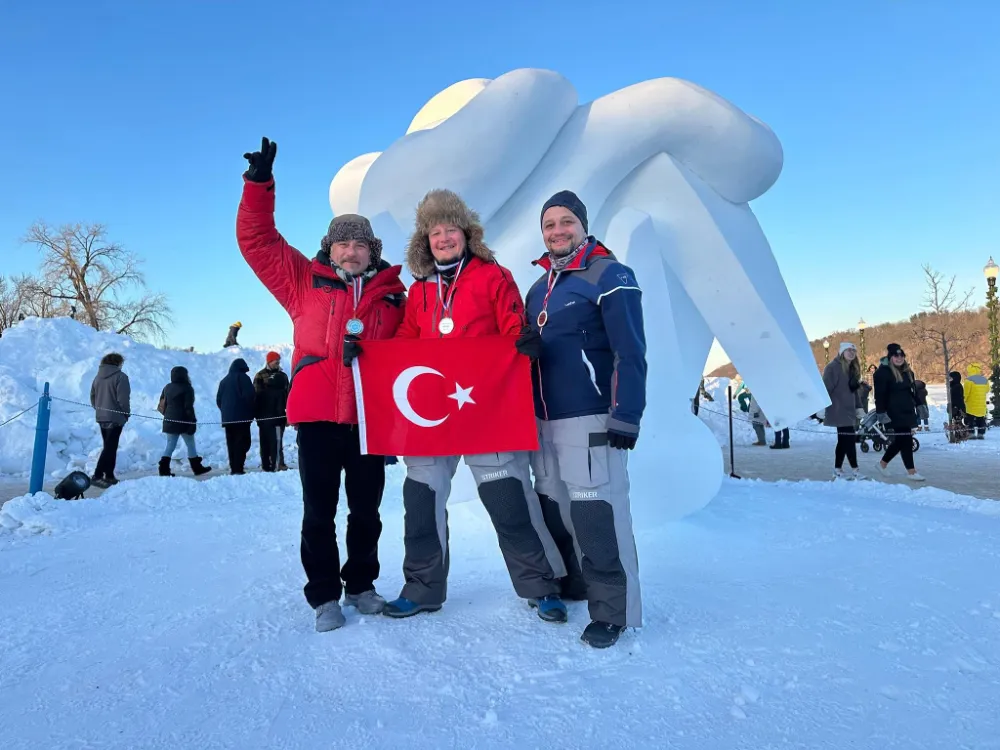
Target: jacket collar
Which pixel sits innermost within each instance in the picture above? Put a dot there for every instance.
(387, 276)
(591, 251)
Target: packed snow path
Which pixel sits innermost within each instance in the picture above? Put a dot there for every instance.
(168, 614)
(969, 468)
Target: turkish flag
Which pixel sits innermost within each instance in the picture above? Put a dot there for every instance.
(444, 397)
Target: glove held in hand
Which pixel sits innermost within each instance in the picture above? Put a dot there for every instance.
(261, 161)
(352, 348)
(621, 441)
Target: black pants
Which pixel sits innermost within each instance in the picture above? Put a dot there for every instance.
(781, 437)
(268, 434)
(238, 445)
(847, 447)
(326, 449)
(903, 445)
(977, 423)
(110, 434)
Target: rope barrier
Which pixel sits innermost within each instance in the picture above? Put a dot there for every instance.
(161, 418)
(18, 415)
(816, 432)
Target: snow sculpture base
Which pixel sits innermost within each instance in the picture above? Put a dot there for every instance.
(666, 170)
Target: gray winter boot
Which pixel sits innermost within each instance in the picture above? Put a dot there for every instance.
(329, 617)
(368, 603)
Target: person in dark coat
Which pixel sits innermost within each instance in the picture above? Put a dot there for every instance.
(957, 392)
(271, 388)
(109, 395)
(842, 378)
(179, 421)
(236, 400)
(923, 411)
(896, 404)
(234, 331)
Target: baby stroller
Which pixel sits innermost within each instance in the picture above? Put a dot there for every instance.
(879, 434)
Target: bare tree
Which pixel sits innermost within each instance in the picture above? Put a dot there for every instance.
(20, 297)
(943, 322)
(82, 269)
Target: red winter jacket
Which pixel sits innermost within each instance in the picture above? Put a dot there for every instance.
(486, 302)
(319, 304)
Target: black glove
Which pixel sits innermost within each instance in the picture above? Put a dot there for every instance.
(391, 460)
(621, 441)
(352, 348)
(854, 384)
(530, 343)
(261, 161)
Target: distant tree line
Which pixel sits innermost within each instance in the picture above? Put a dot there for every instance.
(85, 276)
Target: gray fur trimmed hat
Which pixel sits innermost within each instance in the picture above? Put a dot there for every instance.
(352, 227)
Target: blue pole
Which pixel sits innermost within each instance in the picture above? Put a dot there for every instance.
(41, 442)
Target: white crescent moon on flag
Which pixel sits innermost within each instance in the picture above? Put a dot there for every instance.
(399, 395)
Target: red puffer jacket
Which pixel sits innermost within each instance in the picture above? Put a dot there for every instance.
(319, 304)
(485, 302)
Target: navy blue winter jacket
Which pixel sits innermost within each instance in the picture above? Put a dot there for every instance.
(593, 358)
(236, 397)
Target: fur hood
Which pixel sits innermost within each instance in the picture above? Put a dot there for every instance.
(443, 207)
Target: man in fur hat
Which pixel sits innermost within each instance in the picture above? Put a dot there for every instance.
(587, 307)
(461, 290)
(346, 294)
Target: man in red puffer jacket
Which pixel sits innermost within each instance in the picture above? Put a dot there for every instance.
(347, 292)
(461, 291)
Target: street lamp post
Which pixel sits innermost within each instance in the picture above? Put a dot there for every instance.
(990, 271)
(864, 360)
(826, 350)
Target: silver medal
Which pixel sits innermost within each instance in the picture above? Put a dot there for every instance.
(355, 327)
(446, 326)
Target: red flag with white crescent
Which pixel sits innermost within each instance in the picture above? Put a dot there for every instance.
(444, 397)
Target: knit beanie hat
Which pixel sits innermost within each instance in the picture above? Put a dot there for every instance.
(894, 349)
(845, 345)
(568, 199)
(348, 227)
(273, 357)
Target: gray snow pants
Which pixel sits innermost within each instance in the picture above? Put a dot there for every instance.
(588, 480)
(504, 483)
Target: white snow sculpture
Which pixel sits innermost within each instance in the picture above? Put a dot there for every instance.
(666, 170)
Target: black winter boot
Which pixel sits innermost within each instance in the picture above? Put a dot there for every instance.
(198, 467)
(165, 467)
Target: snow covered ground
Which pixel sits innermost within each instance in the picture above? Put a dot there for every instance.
(67, 354)
(168, 614)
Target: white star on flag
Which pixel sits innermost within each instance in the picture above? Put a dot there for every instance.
(462, 395)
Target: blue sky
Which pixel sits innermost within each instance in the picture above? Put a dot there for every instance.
(137, 115)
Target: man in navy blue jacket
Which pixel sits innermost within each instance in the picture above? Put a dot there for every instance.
(589, 375)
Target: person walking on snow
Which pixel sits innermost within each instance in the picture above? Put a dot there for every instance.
(842, 378)
(957, 416)
(110, 394)
(976, 391)
(460, 290)
(896, 403)
(179, 421)
(923, 412)
(589, 380)
(234, 331)
(235, 400)
(346, 294)
(748, 403)
(271, 388)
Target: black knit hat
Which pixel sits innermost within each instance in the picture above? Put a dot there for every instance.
(568, 199)
(353, 227)
(894, 349)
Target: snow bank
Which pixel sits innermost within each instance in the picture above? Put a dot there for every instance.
(66, 354)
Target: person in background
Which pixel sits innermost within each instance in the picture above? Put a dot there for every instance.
(923, 412)
(236, 400)
(896, 403)
(957, 415)
(842, 378)
(109, 395)
(976, 392)
(234, 331)
(270, 386)
(179, 421)
(748, 403)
